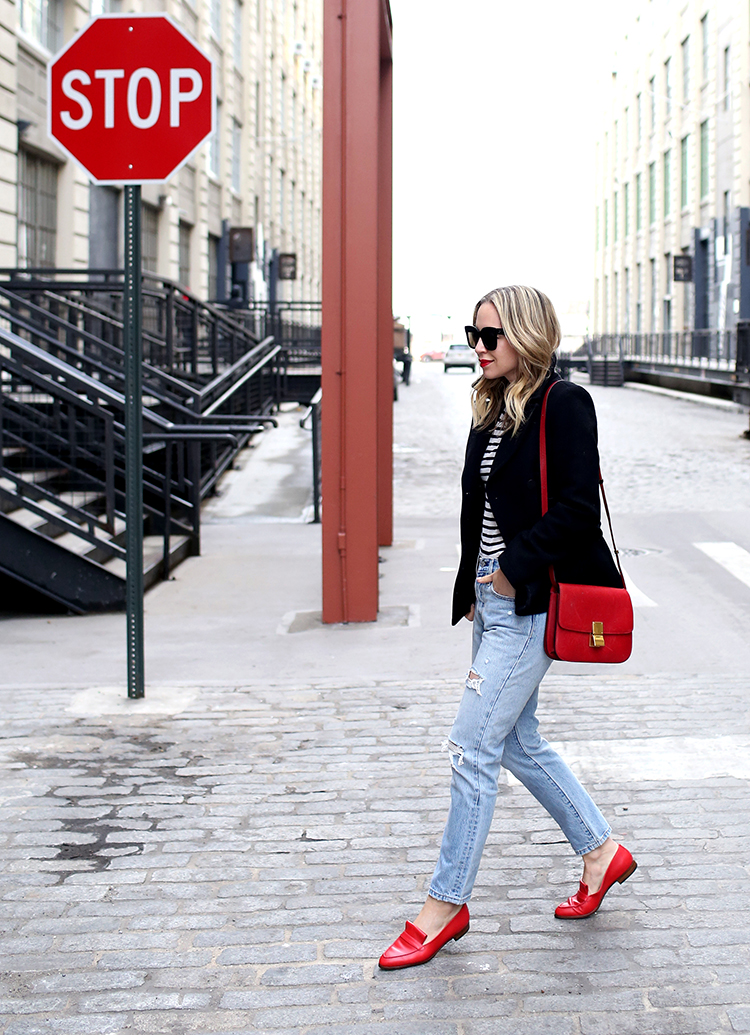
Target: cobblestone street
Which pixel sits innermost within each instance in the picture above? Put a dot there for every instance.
(233, 857)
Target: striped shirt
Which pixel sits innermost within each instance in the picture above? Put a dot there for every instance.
(491, 543)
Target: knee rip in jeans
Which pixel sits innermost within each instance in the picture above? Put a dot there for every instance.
(455, 751)
(474, 681)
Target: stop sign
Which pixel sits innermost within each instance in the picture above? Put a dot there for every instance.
(130, 98)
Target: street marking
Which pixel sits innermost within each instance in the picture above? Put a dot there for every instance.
(731, 557)
(637, 596)
(660, 759)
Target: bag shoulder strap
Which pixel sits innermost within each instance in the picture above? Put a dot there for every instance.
(545, 499)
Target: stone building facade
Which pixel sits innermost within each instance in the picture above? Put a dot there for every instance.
(673, 171)
(260, 170)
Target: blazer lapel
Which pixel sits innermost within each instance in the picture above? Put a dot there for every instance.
(475, 450)
(510, 443)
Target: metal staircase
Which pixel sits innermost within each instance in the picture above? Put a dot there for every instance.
(209, 385)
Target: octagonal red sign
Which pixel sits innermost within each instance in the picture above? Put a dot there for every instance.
(130, 98)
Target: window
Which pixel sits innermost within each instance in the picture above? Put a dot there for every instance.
(667, 308)
(654, 295)
(282, 188)
(704, 46)
(606, 222)
(667, 182)
(652, 193)
(727, 79)
(184, 275)
(214, 14)
(616, 301)
(213, 266)
(684, 145)
(257, 110)
(37, 210)
(149, 237)
(652, 96)
(237, 40)
(626, 209)
(282, 106)
(704, 159)
(668, 87)
(42, 21)
(109, 7)
(638, 299)
(236, 156)
(638, 118)
(638, 202)
(614, 216)
(627, 300)
(292, 214)
(213, 160)
(686, 70)
(726, 222)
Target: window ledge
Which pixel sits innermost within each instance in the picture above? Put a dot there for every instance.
(36, 48)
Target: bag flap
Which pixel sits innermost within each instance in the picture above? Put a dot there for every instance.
(579, 606)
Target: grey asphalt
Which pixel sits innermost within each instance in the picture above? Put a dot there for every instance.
(232, 854)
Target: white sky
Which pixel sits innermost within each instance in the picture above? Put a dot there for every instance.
(495, 111)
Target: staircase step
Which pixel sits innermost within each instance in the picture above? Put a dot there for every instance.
(84, 547)
(29, 519)
(153, 552)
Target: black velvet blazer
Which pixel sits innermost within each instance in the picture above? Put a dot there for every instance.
(569, 535)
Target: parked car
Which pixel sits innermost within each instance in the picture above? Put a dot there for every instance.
(460, 356)
(431, 357)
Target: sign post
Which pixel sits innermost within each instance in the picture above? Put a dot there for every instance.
(130, 99)
(133, 348)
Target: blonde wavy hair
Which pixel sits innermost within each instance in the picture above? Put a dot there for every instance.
(530, 324)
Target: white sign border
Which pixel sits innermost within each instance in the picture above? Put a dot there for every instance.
(74, 39)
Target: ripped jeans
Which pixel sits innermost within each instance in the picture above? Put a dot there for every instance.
(496, 725)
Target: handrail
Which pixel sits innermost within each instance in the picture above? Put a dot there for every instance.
(38, 278)
(241, 380)
(99, 389)
(61, 346)
(313, 411)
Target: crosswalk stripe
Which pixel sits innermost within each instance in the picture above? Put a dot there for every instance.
(637, 596)
(730, 556)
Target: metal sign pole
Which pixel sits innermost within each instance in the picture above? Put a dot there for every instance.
(133, 348)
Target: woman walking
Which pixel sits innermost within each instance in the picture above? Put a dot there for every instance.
(503, 587)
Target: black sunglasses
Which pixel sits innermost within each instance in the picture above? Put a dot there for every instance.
(488, 336)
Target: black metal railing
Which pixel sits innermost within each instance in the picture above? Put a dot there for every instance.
(703, 350)
(295, 326)
(311, 420)
(62, 452)
(182, 336)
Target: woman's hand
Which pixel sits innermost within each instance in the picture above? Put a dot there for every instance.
(499, 583)
(470, 615)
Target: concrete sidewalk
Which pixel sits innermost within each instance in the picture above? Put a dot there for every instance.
(232, 854)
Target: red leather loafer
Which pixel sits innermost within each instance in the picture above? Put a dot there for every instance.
(582, 903)
(409, 949)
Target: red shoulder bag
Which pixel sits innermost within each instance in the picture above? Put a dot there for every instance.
(585, 623)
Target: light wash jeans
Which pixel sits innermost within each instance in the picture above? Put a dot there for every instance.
(496, 725)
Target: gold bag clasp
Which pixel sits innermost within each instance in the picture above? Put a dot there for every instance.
(597, 634)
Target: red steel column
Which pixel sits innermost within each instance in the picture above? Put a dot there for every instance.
(385, 285)
(354, 309)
